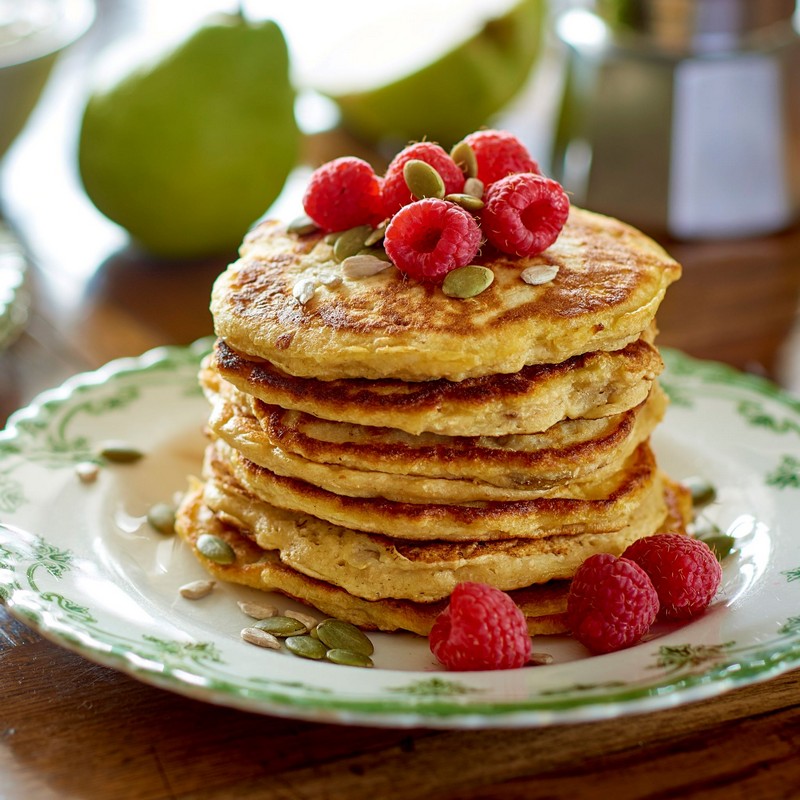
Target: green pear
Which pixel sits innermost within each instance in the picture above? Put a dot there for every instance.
(187, 151)
(457, 93)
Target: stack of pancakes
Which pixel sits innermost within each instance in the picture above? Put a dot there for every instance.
(380, 443)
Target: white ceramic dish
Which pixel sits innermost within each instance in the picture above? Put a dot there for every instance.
(79, 564)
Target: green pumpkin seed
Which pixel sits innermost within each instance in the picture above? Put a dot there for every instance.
(161, 516)
(467, 201)
(463, 154)
(468, 281)
(215, 549)
(348, 658)
(351, 241)
(330, 238)
(281, 626)
(703, 492)
(303, 225)
(340, 635)
(306, 647)
(120, 453)
(377, 235)
(422, 179)
(720, 545)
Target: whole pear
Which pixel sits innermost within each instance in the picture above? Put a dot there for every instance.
(187, 151)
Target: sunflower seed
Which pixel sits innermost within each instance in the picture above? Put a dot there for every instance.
(87, 471)
(281, 626)
(360, 266)
(339, 635)
(196, 590)
(467, 201)
(543, 273)
(303, 225)
(330, 279)
(348, 658)
(303, 290)
(256, 610)
(215, 549)
(306, 647)
(260, 638)
(422, 179)
(474, 186)
(351, 241)
(469, 281)
(539, 659)
(120, 453)
(463, 154)
(161, 517)
(306, 619)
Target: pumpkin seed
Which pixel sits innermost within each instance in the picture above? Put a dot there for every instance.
(720, 545)
(306, 647)
(463, 154)
(215, 549)
(256, 610)
(87, 471)
(161, 516)
(703, 492)
(120, 453)
(260, 638)
(422, 179)
(281, 626)
(196, 590)
(467, 201)
(541, 273)
(464, 282)
(306, 619)
(304, 290)
(377, 235)
(303, 225)
(361, 266)
(375, 252)
(339, 635)
(351, 241)
(330, 238)
(348, 658)
(474, 186)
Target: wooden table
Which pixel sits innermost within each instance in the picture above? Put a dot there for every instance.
(69, 728)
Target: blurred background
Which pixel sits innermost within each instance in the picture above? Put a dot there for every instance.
(679, 116)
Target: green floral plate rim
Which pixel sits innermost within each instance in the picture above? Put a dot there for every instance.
(80, 564)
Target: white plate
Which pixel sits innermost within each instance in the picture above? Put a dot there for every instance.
(79, 564)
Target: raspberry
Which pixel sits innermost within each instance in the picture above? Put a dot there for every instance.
(344, 193)
(498, 154)
(429, 238)
(482, 628)
(611, 603)
(684, 571)
(395, 192)
(524, 213)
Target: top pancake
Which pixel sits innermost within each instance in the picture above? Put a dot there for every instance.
(610, 282)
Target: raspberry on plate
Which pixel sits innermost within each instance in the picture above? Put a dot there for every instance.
(429, 238)
(344, 193)
(396, 193)
(482, 628)
(611, 604)
(498, 154)
(684, 571)
(524, 213)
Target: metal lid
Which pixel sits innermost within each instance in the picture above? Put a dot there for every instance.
(696, 24)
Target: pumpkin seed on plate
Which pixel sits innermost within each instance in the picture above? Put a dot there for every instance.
(215, 549)
(120, 453)
(303, 225)
(469, 281)
(348, 658)
(339, 635)
(161, 517)
(463, 154)
(422, 179)
(281, 626)
(703, 492)
(351, 241)
(306, 647)
(467, 201)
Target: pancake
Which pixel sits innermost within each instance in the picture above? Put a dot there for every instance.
(376, 567)
(592, 385)
(607, 506)
(543, 606)
(516, 462)
(610, 282)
